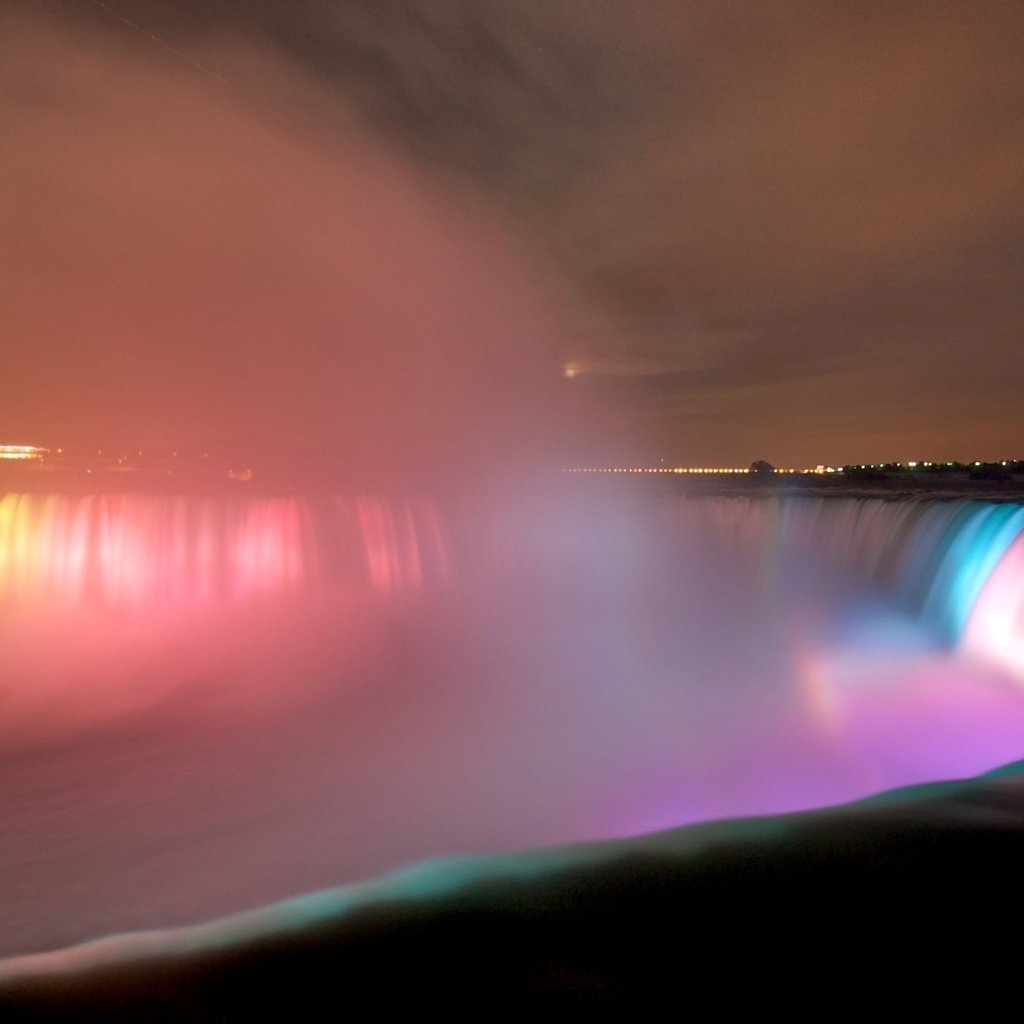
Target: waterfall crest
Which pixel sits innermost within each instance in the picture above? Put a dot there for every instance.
(936, 557)
(123, 550)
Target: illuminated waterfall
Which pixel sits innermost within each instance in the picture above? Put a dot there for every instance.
(939, 558)
(953, 562)
(125, 550)
(211, 706)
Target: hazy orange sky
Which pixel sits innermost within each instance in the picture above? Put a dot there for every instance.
(789, 231)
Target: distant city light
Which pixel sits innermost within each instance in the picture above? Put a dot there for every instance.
(22, 451)
(819, 470)
(658, 469)
(125, 462)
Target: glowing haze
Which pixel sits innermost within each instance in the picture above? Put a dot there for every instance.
(209, 705)
(412, 246)
(205, 265)
(796, 231)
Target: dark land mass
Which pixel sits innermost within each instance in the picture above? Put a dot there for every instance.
(888, 486)
(217, 474)
(894, 901)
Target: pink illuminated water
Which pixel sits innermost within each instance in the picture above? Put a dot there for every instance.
(142, 551)
(210, 704)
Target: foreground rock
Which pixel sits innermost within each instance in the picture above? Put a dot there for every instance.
(896, 898)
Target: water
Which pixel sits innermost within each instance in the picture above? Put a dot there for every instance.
(132, 550)
(935, 557)
(209, 704)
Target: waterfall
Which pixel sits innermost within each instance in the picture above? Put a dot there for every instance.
(124, 550)
(938, 558)
(213, 703)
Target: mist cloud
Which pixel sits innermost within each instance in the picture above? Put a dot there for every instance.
(759, 205)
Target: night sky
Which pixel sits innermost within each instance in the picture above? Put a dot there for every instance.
(790, 231)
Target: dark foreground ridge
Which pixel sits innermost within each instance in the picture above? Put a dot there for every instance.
(897, 901)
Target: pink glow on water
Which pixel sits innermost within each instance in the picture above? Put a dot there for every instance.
(392, 545)
(130, 550)
(219, 703)
(995, 628)
(868, 691)
(269, 554)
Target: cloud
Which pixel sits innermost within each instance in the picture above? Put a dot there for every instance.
(236, 261)
(745, 196)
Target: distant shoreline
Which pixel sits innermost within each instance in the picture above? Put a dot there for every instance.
(213, 480)
(898, 486)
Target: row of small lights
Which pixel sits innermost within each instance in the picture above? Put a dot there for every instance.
(31, 453)
(652, 469)
(27, 451)
(24, 451)
(915, 465)
(676, 469)
(819, 470)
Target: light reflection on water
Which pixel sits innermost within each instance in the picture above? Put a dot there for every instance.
(141, 550)
(212, 706)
